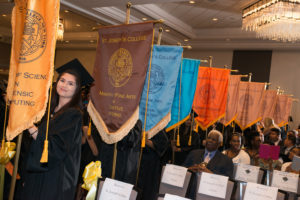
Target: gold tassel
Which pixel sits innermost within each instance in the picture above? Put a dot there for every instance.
(44, 158)
(89, 133)
(143, 140)
(178, 142)
(190, 140)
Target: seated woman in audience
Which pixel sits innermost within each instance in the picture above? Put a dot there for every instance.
(286, 167)
(235, 152)
(253, 149)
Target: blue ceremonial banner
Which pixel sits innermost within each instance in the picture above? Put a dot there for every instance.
(165, 64)
(186, 92)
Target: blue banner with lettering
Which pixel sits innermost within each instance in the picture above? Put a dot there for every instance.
(165, 64)
(186, 93)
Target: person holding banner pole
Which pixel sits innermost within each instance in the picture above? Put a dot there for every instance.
(57, 179)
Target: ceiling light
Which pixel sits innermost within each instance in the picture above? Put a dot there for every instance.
(78, 25)
(66, 11)
(4, 15)
(186, 40)
(273, 19)
(192, 2)
(60, 30)
(144, 18)
(167, 30)
(215, 19)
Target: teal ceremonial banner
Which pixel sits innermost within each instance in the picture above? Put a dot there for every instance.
(165, 64)
(185, 92)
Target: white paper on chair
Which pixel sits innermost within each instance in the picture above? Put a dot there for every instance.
(285, 181)
(174, 197)
(260, 192)
(246, 173)
(115, 190)
(174, 175)
(213, 185)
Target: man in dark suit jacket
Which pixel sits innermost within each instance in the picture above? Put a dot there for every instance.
(208, 160)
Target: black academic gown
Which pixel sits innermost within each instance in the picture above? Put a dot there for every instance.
(151, 165)
(127, 156)
(57, 179)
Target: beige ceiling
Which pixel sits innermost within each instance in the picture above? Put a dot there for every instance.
(184, 20)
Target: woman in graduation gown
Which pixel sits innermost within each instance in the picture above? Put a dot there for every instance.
(57, 179)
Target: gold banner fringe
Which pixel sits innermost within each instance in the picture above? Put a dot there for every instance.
(112, 137)
(211, 123)
(178, 123)
(247, 126)
(159, 126)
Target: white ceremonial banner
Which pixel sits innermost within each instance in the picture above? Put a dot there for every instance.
(260, 192)
(285, 181)
(246, 173)
(174, 175)
(213, 185)
(115, 190)
(174, 197)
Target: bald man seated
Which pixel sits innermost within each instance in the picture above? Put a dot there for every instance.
(208, 160)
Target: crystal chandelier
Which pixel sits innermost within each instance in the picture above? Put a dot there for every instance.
(60, 30)
(274, 19)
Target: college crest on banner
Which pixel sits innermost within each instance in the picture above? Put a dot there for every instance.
(165, 64)
(251, 96)
(184, 92)
(34, 28)
(282, 110)
(232, 99)
(211, 95)
(120, 69)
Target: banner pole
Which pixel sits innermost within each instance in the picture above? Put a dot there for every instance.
(16, 163)
(2, 176)
(210, 61)
(113, 173)
(160, 31)
(250, 77)
(114, 164)
(144, 137)
(128, 6)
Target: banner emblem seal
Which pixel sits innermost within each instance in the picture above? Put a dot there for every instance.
(34, 37)
(120, 67)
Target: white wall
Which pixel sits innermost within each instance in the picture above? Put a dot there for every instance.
(285, 72)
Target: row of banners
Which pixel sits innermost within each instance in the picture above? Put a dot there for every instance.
(134, 79)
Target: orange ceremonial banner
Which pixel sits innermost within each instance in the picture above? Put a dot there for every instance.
(232, 99)
(211, 95)
(282, 110)
(268, 105)
(251, 96)
(34, 25)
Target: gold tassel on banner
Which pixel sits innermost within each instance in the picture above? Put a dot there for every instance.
(44, 158)
(143, 139)
(178, 140)
(89, 132)
(190, 140)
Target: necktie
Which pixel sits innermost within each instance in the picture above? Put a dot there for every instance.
(207, 158)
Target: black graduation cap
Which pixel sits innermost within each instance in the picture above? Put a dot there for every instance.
(86, 78)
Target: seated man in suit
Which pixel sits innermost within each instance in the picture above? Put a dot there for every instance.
(208, 160)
